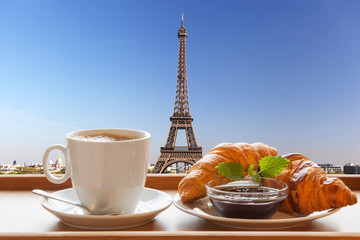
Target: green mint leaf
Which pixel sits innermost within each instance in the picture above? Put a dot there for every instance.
(232, 170)
(251, 171)
(256, 177)
(271, 166)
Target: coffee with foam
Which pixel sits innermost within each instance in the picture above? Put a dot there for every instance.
(102, 138)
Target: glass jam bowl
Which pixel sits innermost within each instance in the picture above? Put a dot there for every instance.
(246, 198)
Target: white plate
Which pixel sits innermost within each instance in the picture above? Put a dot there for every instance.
(203, 208)
(152, 202)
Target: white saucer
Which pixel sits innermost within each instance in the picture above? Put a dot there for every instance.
(203, 208)
(152, 202)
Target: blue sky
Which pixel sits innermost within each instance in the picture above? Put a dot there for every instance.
(286, 73)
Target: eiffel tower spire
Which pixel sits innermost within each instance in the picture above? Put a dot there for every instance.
(182, 20)
(181, 119)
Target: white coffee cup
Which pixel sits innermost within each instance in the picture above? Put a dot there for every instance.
(108, 176)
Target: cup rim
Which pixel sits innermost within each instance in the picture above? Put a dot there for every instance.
(70, 135)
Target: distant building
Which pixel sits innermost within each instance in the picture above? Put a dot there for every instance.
(351, 168)
(8, 168)
(59, 162)
(58, 165)
(330, 168)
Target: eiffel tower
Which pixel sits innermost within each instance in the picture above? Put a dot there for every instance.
(181, 119)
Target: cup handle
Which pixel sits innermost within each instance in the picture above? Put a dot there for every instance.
(49, 176)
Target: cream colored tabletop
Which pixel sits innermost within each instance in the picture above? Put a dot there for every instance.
(23, 217)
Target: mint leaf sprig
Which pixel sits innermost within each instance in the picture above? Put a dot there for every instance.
(232, 170)
(270, 166)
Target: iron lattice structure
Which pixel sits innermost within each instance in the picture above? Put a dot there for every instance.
(181, 119)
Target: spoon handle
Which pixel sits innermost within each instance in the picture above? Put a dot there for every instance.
(48, 195)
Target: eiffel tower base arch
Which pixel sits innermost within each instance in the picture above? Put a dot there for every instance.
(169, 157)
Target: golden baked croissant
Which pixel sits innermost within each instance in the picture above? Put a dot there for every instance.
(310, 189)
(192, 186)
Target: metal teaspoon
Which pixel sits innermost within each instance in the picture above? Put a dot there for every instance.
(48, 195)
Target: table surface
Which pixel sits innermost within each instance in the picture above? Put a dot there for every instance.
(23, 217)
(21, 211)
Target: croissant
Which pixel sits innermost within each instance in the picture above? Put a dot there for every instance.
(192, 186)
(310, 189)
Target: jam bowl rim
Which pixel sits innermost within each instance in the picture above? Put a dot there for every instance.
(275, 195)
